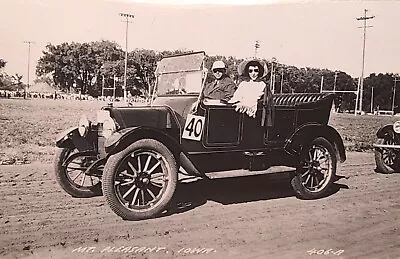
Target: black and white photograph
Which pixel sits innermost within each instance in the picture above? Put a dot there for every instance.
(199, 129)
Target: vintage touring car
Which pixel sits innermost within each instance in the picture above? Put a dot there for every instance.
(134, 154)
(387, 148)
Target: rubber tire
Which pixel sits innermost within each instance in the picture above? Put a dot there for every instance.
(381, 167)
(300, 190)
(111, 168)
(63, 180)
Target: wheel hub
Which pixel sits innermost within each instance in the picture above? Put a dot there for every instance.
(315, 167)
(142, 180)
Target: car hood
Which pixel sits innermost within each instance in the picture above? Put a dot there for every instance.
(180, 104)
(165, 112)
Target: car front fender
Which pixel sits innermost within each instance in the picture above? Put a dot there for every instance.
(70, 138)
(63, 139)
(387, 129)
(123, 138)
(305, 134)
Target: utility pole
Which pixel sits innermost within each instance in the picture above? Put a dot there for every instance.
(357, 95)
(272, 75)
(372, 100)
(127, 16)
(363, 18)
(282, 82)
(394, 92)
(256, 47)
(334, 82)
(29, 60)
(322, 82)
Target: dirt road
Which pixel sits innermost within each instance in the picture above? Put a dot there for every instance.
(246, 217)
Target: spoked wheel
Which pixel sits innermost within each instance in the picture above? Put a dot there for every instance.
(70, 169)
(386, 159)
(315, 174)
(139, 181)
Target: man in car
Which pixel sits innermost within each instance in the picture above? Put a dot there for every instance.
(222, 88)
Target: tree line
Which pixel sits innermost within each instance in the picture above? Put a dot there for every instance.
(87, 67)
(8, 82)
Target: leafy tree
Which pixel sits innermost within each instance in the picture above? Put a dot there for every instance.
(383, 85)
(47, 79)
(145, 63)
(78, 67)
(2, 63)
(90, 66)
(2, 75)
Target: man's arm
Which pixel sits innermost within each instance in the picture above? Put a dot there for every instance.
(229, 89)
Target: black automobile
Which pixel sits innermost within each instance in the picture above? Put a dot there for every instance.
(387, 148)
(133, 155)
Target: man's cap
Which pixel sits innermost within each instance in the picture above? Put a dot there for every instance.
(218, 64)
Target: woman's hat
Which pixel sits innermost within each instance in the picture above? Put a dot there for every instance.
(244, 65)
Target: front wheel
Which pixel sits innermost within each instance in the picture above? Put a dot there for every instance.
(316, 171)
(71, 175)
(139, 181)
(386, 159)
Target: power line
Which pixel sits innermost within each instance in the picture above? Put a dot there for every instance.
(363, 18)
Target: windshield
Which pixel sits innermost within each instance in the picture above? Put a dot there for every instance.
(180, 75)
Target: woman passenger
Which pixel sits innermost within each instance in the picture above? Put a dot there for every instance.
(252, 88)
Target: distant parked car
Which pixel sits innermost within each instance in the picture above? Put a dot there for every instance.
(135, 153)
(387, 148)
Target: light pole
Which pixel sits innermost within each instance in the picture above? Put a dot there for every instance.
(29, 60)
(127, 16)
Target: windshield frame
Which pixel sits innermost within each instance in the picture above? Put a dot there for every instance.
(183, 78)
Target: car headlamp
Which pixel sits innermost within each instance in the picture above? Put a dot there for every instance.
(109, 127)
(83, 126)
(396, 127)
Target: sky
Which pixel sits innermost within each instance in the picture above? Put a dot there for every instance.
(318, 34)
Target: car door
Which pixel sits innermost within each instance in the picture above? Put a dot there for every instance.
(223, 126)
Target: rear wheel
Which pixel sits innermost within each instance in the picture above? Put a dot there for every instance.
(386, 159)
(316, 171)
(139, 181)
(71, 175)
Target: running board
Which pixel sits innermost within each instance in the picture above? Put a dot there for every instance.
(386, 146)
(237, 173)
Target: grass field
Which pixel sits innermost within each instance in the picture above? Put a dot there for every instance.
(29, 127)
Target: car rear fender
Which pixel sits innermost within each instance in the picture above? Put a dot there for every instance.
(305, 134)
